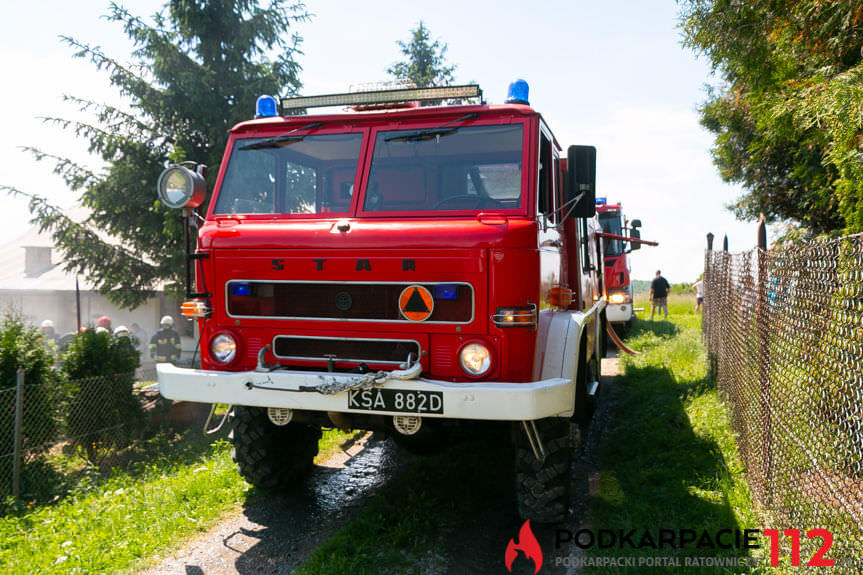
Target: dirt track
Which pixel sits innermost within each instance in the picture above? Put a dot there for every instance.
(275, 535)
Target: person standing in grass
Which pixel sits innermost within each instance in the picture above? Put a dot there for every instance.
(698, 288)
(659, 294)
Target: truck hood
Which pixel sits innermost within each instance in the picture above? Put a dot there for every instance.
(485, 231)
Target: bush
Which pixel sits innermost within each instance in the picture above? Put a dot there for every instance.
(21, 348)
(103, 409)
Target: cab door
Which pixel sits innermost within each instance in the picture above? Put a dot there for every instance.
(548, 215)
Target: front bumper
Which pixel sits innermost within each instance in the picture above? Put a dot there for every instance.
(618, 313)
(495, 401)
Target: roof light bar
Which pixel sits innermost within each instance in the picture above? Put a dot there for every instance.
(382, 96)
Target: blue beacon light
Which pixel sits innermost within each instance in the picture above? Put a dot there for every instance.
(517, 93)
(265, 107)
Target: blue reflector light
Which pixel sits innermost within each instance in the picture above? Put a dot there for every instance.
(517, 93)
(600, 201)
(240, 289)
(265, 107)
(445, 291)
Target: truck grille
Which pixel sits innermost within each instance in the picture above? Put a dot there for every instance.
(344, 301)
(344, 349)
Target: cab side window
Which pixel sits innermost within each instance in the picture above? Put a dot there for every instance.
(585, 246)
(547, 179)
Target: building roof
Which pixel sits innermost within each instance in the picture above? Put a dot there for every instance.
(31, 263)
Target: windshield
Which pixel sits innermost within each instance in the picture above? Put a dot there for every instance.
(610, 222)
(290, 174)
(445, 169)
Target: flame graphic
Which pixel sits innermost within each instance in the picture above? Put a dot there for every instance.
(527, 544)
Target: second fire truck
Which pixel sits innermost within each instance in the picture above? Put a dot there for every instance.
(620, 238)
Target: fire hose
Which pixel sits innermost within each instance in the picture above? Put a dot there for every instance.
(620, 345)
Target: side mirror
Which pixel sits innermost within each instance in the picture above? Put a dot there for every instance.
(581, 181)
(635, 233)
(635, 223)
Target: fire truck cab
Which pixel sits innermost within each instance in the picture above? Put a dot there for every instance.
(620, 238)
(395, 267)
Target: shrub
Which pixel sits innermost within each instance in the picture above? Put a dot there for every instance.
(21, 348)
(103, 409)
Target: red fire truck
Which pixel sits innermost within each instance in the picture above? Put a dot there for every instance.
(619, 239)
(395, 267)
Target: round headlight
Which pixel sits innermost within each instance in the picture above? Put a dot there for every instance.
(223, 348)
(180, 187)
(475, 359)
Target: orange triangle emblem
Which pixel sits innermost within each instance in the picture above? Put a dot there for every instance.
(416, 303)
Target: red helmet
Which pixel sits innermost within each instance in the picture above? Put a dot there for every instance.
(104, 321)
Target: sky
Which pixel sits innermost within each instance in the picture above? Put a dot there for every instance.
(609, 74)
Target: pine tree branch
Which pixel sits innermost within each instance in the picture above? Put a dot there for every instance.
(75, 175)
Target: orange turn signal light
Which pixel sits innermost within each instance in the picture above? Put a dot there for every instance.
(195, 308)
(560, 296)
(525, 316)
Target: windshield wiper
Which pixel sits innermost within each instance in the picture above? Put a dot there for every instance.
(423, 135)
(432, 133)
(284, 140)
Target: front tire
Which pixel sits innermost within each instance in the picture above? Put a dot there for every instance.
(543, 488)
(267, 455)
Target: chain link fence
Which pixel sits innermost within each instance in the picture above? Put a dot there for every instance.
(55, 436)
(784, 332)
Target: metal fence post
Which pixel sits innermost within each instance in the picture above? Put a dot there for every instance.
(19, 417)
(707, 286)
(761, 322)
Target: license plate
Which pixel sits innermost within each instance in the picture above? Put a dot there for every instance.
(407, 401)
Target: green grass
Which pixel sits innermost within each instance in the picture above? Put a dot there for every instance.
(126, 519)
(670, 460)
(334, 440)
(180, 487)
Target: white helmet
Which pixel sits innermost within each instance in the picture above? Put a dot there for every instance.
(167, 320)
(47, 323)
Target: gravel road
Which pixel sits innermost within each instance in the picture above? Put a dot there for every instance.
(275, 535)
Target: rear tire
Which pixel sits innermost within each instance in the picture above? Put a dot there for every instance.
(543, 488)
(267, 455)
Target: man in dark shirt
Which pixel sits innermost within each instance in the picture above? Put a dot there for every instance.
(165, 343)
(659, 294)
